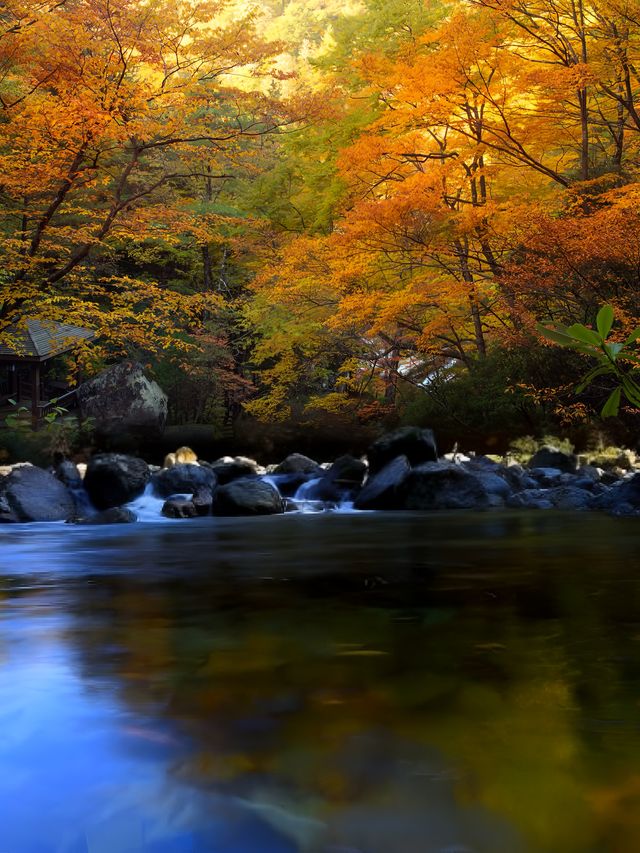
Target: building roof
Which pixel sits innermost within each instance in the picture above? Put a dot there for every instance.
(40, 340)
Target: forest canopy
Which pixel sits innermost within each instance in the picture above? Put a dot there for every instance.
(361, 208)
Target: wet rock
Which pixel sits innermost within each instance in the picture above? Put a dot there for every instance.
(546, 478)
(122, 400)
(247, 497)
(341, 481)
(570, 497)
(28, 493)
(382, 489)
(203, 500)
(296, 463)
(179, 508)
(113, 479)
(530, 499)
(113, 515)
(492, 480)
(183, 479)
(417, 445)
(551, 457)
(236, 469)
(440, 485)
(518, 478)
(68, 474)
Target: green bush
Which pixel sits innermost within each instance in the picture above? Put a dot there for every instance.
(494, 400)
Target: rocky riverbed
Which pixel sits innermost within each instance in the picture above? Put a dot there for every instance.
(401, 471)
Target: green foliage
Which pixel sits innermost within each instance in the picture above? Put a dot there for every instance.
(523, 448)
(610, 356)
(490, 402)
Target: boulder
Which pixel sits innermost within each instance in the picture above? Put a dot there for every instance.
(551, 457)
(492, 480)
(203, 500)
(418, 445)
(296, 463)
(339, 482)
(547, 478)
(530, 499)
(122, 400)
(247, 497)
(234, 470)
(113, 515)
(347, 471)
(441, 485)
(179, 508)
(183, 479)
(68, 474)
(113, 479)
(622, 498)
(570, 497)
(518, 478)
(32, 494)
(382, 490)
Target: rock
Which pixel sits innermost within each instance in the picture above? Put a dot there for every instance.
(440, 485)
(113, 515)
(347, 471)
(530, 499)
(340, 481)
(183, 479)
(122, 400)
(247, 497)
(68, 474)
(570, 497)
(417, 445)
(296, 463)
(382, 490)
(493, 481)
(518, 478)
(32, 494)
(113, 479)
(203, 500)
(551, 457)
(179, 508)
(547, 478)
(622, 498)
(234, 470)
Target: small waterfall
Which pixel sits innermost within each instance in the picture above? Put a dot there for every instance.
(148, 507)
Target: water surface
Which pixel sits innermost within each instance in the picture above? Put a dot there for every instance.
(365, 683)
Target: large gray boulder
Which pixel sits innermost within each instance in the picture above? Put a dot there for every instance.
(298, 463)
(32, 494)
(184, 479)
(418, 445)
(441, 485)
(342, 480)
(247, 497)
(382, 490)
(551, 457)
(113, 479)
(122, 400)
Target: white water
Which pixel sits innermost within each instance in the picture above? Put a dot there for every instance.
(148, 507)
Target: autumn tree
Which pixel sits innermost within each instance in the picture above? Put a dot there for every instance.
(117, 116)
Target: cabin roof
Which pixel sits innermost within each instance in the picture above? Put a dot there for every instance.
(40, 340)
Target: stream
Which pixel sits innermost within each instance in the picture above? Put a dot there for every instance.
(322, 683)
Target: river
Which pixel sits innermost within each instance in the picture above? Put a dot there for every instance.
(329, 683)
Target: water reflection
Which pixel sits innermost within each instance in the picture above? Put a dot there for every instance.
(335, 684)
